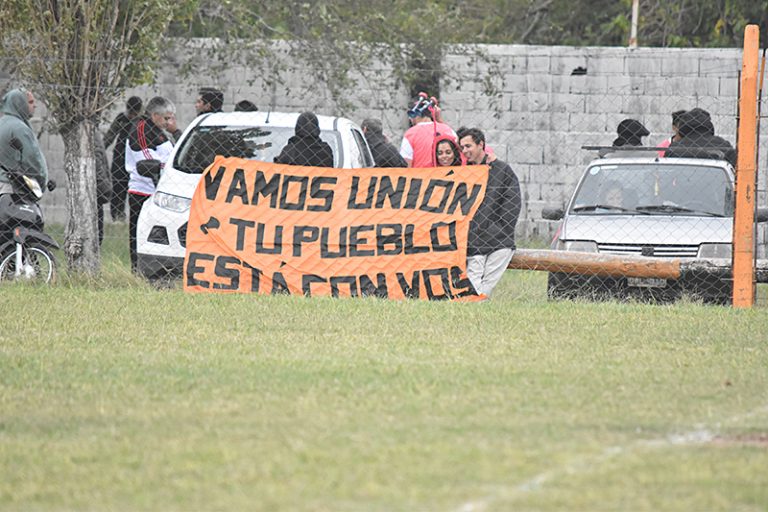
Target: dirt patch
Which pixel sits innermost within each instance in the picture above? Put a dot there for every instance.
(757, 439)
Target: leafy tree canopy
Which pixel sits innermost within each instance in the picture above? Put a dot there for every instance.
(707, 23)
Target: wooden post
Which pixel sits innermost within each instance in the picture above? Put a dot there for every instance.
(614, 265)
(746, 169)
(591, 264)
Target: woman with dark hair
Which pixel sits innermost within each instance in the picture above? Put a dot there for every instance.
(447, 152)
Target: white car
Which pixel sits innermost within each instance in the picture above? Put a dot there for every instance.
(653, 207)
(162, 226)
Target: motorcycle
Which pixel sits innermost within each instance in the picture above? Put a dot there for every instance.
(25, 249)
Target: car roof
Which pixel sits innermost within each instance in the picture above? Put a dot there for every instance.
(276, 119)
(711, 162)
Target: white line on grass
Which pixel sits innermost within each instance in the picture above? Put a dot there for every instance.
(700, 434)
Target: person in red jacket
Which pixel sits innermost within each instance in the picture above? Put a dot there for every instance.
(418, 146)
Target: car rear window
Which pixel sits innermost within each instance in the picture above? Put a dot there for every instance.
(198, 150)
(651, 186)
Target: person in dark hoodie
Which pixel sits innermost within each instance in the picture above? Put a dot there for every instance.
(18, 108)
(698, 139)
(384, 153)
(630, 134)
(118, 133)
(306, 147)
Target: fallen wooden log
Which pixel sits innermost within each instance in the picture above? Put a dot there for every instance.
(610, 265)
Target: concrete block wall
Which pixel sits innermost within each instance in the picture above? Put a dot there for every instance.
(542, 113)
(537, 119)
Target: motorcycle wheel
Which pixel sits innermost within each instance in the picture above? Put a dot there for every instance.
(38, 265)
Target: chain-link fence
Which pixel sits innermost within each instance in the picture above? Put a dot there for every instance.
(623, 162)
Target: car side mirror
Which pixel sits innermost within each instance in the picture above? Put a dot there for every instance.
(762, 215)
(51, 185)
(149, 169)
(552, 213)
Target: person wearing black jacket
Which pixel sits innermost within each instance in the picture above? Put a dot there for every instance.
(306, 147)
(698, 139)
(491, 242)
(630, 135)
(209, 100)
(118, 131)
(384, 153)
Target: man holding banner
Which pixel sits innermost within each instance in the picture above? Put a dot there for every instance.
(491, 241)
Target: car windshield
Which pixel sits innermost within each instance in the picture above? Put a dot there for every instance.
(263, 143)
(654, 189)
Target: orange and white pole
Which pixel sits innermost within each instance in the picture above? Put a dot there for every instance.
(746, 172)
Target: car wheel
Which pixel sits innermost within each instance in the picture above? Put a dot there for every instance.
(560, 287)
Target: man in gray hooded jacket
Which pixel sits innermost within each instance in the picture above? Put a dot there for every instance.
(18, 108)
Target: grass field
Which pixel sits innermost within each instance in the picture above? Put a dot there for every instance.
(118, 396)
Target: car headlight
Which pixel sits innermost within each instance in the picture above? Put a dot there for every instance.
(576, 246)
(171, 202)
(715, 251)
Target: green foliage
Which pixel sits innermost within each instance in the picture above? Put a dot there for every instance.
(82, 55)
(341, 40)
(98, 48)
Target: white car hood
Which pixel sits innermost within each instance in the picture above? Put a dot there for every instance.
(647, 229)
(178, 183)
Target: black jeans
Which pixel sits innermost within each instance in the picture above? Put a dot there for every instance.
(135, 202)
(119, 191)
(100, 219)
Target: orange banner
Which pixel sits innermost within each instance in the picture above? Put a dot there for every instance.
(271, 228)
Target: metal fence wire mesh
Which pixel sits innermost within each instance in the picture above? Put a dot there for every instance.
(623, 162)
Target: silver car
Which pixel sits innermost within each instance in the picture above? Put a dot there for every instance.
(653, 207)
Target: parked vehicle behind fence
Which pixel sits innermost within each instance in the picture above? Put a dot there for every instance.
(653, 207)
(162, 225)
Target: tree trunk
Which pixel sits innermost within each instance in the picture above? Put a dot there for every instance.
(81, 244)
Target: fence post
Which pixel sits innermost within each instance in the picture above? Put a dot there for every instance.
(744, 217)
